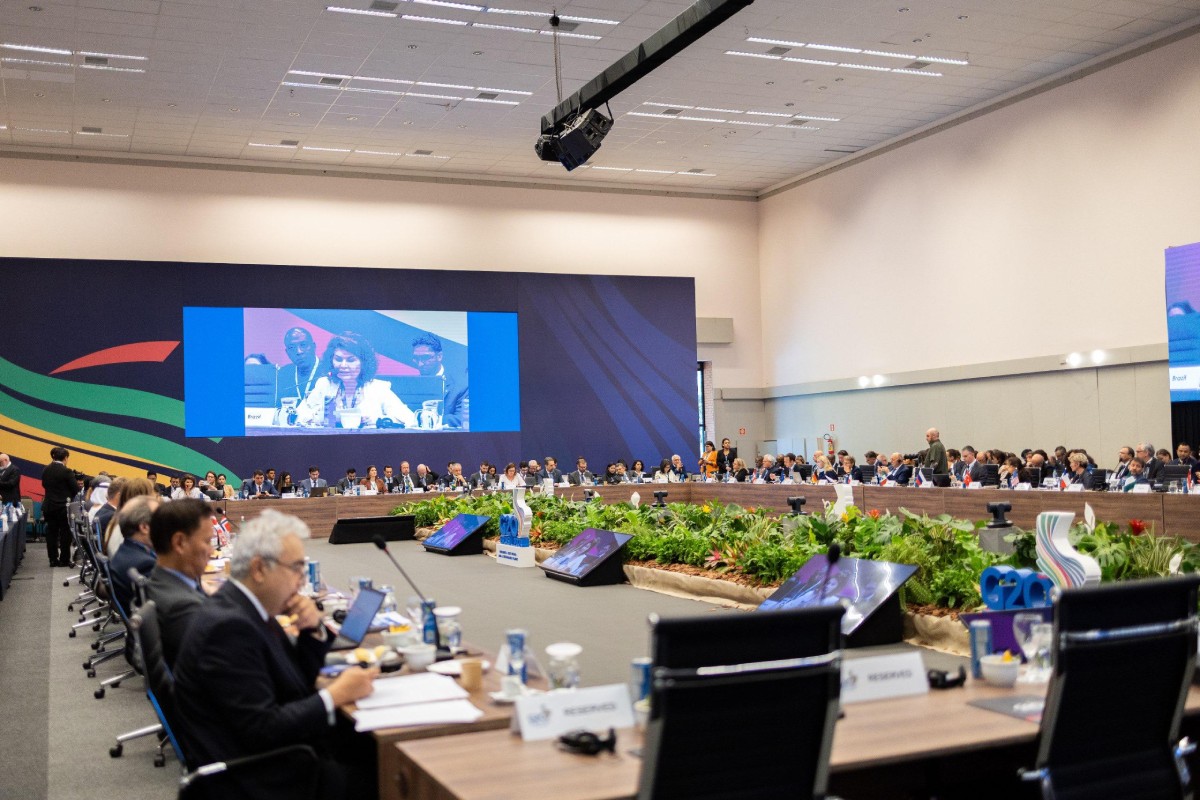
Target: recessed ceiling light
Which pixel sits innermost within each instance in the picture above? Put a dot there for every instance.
(376, 153)
(105, 100)
(661, 141)
(477, 53)
(328, 149)
(1074, 359)
(902, 10)
(35, 8)
(407, 122)
(293, 113)
(39, 94)
(412, 47)
(963, 16)
(352, 119)
(172, 105)
(863, 381)
(234, 109)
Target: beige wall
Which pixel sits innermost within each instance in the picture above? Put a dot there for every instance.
(1035, 230)
(56, 209)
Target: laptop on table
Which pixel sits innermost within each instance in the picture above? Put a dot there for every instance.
(358, 619)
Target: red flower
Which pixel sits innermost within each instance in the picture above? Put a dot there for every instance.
(874, 513)
(1137, 526)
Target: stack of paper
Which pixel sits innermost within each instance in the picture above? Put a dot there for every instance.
(422, 699)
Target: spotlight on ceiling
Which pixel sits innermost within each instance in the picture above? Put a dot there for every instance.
(572, 131)
(577, 142)
(1074, 359)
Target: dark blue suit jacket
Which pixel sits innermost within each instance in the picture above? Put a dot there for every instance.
(242, 688)
(901, 475)
(130, 554)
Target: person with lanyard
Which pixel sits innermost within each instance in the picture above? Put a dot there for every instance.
(299, 379)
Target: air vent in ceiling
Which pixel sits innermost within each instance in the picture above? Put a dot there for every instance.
(779, 51)
(331, 81)
(797, 122)
(487, 96)
(567, 27)
(383, 5)
(843, 149)
(918, 64)
(91, 129)
(697, 170)
(95, 61)
(672, 111)
(290, 142)
(422, 152)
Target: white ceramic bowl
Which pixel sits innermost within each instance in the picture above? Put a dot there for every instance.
(419, 656)
(999, 672)
(400, 639)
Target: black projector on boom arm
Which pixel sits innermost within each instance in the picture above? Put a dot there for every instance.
(573, 130)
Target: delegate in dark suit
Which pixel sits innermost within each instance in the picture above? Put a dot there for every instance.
(131, 554)
(58, 483)
(242, 688)
(177, 601)
(900, 475)
(10, 483)
(976, 471)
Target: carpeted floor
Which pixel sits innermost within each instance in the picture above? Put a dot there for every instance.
(56, 735)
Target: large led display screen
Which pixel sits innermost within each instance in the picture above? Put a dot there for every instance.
(1183, 321)
(293, 371)
(189, 367)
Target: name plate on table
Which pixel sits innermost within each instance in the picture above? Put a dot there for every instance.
(550, 715)
(1074, 487)
(1141, 488)
(883, 677)
(513, 556)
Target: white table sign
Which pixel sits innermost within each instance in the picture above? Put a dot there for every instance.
(881, 677)
(550, 715)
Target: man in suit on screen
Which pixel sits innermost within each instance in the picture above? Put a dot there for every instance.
(244, 685)
(427, 356)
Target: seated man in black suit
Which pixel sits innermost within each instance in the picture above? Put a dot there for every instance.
(973, 469)
(348, 484)
(259, 486)
(581, 476)
(182, 534)
(550, 470)
(244, 685)
(899, 473)
(135, 551)
(1145, 451)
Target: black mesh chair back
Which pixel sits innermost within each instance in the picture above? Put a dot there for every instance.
(160, 683)
(743, 705)
(867, 471)
(1174, 473)
(991, 475)
(1124, 655)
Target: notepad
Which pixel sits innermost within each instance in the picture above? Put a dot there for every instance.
(446, 712)
(424, 687)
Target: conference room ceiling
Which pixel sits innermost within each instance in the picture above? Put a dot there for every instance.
(456, 89)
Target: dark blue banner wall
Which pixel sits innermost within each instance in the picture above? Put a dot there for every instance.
(93, 357)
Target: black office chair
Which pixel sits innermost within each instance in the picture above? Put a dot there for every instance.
(1124, 655)
(742, 705)
(204, 780)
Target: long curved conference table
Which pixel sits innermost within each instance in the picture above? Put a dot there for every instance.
(1169, 514)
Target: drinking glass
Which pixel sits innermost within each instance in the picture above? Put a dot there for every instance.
(415, 611)
(1023, 624)
(1043, 650)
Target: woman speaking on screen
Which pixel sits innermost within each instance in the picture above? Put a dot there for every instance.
(348, 395)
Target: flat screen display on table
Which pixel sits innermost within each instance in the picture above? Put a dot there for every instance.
(453, 532)
(585, 551)
(298, 372)
(1183, 321)
(864, 585)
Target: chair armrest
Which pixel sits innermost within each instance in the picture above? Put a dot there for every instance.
(197, 777)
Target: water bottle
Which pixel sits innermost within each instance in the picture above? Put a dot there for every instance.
(429, 630)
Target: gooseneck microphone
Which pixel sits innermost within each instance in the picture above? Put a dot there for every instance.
(443, 652)
(831, 558)
(382, 545)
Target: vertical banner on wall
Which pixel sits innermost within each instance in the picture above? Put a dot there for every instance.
(1183, 337)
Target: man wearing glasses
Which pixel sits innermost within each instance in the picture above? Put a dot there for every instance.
(244, 685)
(427, 357)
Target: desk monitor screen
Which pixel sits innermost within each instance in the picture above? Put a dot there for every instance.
(585, 552)
(453, 532)
(865, 585)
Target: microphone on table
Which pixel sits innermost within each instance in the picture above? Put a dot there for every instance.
(443, 653)
(831, 558)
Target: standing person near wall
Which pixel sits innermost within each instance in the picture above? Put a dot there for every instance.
(935, 456)
(58, 481)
